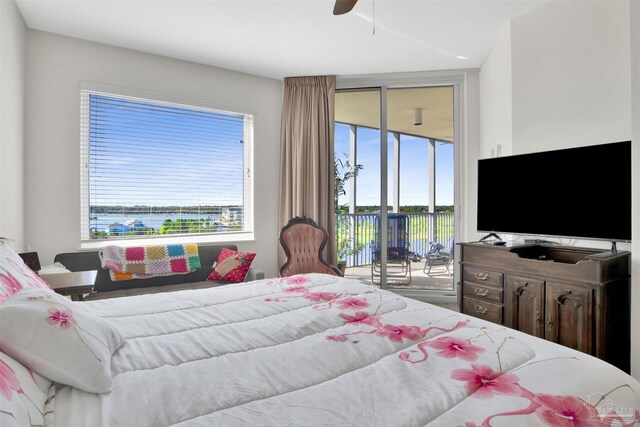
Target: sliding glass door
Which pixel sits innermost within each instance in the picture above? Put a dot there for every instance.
(359, 174)
(395, 185)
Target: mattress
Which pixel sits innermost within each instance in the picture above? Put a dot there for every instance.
(322, 350)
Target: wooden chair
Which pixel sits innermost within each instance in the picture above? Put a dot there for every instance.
(303, 241)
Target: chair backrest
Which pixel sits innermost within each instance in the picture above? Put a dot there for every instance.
(397, 231)
(303, 242)
(435, 248)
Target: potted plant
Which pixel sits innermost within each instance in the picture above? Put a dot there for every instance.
(347, 248)
(343, 171)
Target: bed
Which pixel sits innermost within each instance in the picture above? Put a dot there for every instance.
(322, 350)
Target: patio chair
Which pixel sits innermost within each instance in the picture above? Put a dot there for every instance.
(398, 261)
(303, 242)
(437, 255)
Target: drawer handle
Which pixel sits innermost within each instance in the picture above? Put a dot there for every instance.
(480, 309)
(482, 276)
(481, 292)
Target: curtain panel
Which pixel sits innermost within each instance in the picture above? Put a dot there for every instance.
(306, 154)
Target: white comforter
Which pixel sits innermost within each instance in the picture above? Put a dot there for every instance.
(322, 350)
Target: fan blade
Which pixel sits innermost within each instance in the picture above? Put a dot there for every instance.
(343, 6)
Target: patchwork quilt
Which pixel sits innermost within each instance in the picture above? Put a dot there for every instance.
(323, 350)
(143, 262)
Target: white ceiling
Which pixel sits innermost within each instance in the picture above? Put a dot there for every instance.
(362, 108)
(289, 37)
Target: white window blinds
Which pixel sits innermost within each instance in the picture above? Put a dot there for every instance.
(152, 168)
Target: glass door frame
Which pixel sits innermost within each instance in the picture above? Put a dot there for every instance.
(383, 82)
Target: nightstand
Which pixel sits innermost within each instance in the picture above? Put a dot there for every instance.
(76, 284)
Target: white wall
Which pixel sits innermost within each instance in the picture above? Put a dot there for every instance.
(559, 77)
(495, 105)
(496, 98)
(471, 153)
(571, 75)
(571, 85)
(55, 67)
(635, 131)
(12, 68)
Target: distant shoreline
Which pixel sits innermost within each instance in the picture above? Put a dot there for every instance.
(154, 220)
(164, 210)
(405, 208)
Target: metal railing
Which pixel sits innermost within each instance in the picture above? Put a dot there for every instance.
(358, 230)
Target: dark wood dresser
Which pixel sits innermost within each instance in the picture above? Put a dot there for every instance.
(576, 297)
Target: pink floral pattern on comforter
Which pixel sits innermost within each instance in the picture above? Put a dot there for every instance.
(480, 381)
(19, 403)
(322, 350)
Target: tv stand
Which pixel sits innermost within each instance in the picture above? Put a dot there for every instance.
(538, 242)
(577, 297)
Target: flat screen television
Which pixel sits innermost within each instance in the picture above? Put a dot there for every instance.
(582, 192)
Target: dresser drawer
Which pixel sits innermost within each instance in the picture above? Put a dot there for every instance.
(484, 293)
(482, 277)
(483, 310)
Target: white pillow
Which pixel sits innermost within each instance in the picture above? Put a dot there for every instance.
(15, 275)
(59, 339)
(7, 243)
(22, 394)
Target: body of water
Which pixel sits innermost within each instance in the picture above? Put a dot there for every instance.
(101, 221)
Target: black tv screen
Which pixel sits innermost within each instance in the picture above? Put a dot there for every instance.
(580, 192)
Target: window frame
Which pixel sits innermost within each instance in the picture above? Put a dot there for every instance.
(247, 234)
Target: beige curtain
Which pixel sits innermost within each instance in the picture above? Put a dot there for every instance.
(306, 154)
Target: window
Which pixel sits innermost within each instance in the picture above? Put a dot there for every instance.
(152, 168)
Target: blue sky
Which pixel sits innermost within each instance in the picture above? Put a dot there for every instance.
(204, 165)
(413, 168)
(202, 161)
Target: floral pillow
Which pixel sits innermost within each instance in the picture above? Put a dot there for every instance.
(59, 339)
(15, 275)
(231, 266)
(23, 394)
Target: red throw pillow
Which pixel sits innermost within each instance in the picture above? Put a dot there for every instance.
(231, 266)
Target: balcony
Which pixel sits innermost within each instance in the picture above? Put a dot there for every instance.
(358, 229)
(411, 167)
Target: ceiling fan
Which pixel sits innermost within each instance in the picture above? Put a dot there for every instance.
(343, 6)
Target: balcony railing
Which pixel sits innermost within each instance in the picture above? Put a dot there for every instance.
(424, 228)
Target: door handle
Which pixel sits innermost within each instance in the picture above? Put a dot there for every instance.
(521, 289)
(560, 299)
